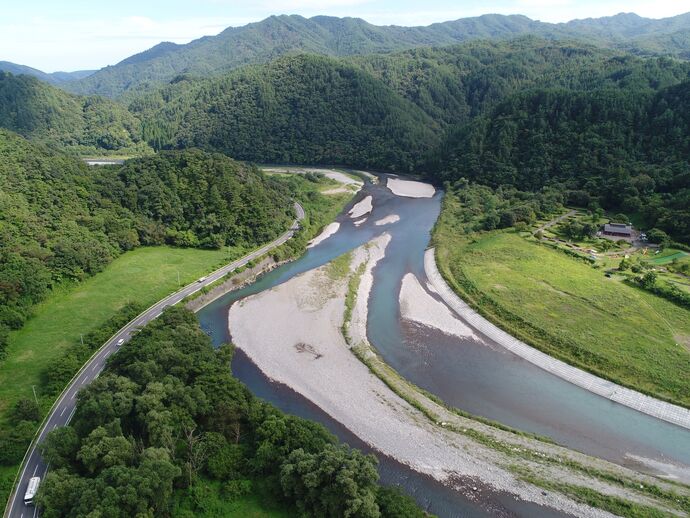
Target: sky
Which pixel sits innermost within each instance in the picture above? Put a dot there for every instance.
(88, 34)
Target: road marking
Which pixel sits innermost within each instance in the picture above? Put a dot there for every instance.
(63, 411)
(94, 368)
(69, 418)
(73, 394)
(83, 380)
(35, 469)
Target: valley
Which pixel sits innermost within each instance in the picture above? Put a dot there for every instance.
(315, 266)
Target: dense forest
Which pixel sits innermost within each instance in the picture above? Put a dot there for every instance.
(623, 150)
(61, 220)
(49, 115)
(298, 109)
(166, 430)
(527, 112)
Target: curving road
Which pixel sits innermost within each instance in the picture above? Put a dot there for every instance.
(63, 409)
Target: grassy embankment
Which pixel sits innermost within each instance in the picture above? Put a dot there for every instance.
(568, 309)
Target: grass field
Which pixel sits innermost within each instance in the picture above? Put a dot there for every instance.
(144, 275)
(570, 310)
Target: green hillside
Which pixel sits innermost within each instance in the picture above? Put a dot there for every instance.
(61, 221)
(624, 150)
(297, 109)
(49, 115)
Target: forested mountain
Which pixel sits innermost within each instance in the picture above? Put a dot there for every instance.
(626, 150)
(380, 111)
(279, 35)
(60, 220)
(54, 78)
(456, 83)
(49, 115)
(301, 109)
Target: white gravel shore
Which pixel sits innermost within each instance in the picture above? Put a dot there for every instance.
(328, 231)
(303, 348)
(410, 189)
(393, 218)
(418, 306)
(365, 206)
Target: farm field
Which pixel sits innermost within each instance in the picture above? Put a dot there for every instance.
(572, 311)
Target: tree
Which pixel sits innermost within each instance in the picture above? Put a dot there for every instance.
(648, 280)
(104, 448)
(393, 503)
(657, 236)
(336, 481)
(60, 447)
(25, 410)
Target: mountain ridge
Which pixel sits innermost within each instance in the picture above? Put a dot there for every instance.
(275, 36)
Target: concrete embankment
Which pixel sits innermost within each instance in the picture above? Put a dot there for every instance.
(651, 406)
(236, 282)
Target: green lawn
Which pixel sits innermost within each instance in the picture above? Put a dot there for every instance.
(144, 275)
(571, 310)
(667, 256)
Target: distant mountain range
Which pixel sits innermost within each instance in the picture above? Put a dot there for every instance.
(54, 78)
(280, 35)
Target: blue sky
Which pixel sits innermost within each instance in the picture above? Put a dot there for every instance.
(79, 34)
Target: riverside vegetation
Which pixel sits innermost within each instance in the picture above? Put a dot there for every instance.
(167, 430)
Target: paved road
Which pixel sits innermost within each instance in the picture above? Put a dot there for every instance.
(64, 408)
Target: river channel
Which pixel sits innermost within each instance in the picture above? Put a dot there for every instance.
(475, 376)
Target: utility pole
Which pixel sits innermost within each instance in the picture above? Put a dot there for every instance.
(82, 338)
(33, 388)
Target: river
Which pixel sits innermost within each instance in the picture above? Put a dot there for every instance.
(481, 379)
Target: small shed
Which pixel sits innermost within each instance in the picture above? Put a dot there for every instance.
(618, 230)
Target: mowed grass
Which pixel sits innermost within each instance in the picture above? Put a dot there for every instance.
(668, 256)
(610, 328)
(143, 275)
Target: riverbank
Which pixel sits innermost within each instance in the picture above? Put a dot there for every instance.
(304, 349)
(563, 305)
(660, 409)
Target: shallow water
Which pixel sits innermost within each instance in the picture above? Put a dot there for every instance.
(467, 374)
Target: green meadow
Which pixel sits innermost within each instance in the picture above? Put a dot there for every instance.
(570, 310)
